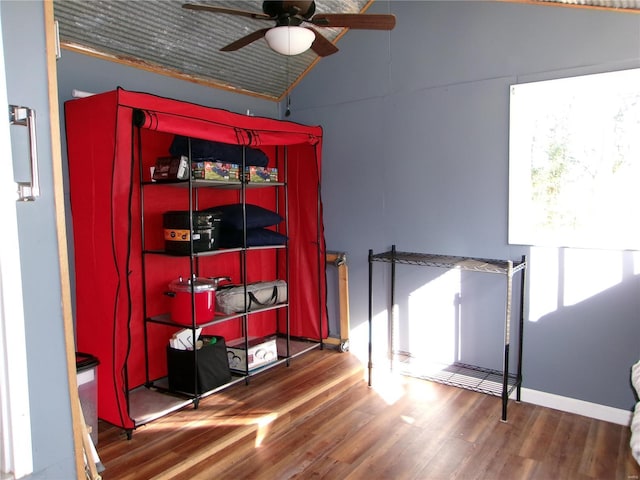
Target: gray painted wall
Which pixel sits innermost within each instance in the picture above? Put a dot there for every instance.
(416, 126)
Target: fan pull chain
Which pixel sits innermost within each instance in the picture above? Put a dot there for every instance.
(288, 110)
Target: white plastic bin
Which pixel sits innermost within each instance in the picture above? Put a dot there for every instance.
(87, 374)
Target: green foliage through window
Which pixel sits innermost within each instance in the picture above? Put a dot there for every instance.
(575, 162)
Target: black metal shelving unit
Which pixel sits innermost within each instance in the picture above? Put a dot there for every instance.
(154, 399)
(499, 383)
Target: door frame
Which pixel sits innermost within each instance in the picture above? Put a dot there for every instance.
(52, 50)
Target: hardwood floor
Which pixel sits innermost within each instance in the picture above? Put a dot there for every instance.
(318, 419)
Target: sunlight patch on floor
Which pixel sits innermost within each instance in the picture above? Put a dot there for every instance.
(388, 385)
(261, 421)
(407, 419)
(392, 386)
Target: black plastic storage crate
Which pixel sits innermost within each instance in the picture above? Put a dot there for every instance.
(213, 367)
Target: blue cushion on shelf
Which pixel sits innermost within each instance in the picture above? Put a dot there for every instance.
(207, 150)
(256, 237)
(257, 217)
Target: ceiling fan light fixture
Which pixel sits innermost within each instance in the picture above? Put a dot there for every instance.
(289, 40)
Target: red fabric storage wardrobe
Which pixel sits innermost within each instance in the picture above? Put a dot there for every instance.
(112, 140)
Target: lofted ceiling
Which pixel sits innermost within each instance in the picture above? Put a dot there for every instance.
(598, 4)
(161, 36)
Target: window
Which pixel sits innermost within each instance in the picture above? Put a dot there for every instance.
(574, 162)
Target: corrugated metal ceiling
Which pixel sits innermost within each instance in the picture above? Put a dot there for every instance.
(162, 36)
(623, 4)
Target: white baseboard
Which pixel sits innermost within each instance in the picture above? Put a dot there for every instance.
(580, 407)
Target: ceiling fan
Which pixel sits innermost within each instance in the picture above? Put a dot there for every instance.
(294, 30)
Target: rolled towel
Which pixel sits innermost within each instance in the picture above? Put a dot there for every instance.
(634, 441)
(635, 376)
(635, 419)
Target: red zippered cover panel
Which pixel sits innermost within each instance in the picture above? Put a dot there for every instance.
(105, 164)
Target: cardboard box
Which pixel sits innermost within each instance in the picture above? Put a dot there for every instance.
(225, 172)
(262, 351)
(262, 174)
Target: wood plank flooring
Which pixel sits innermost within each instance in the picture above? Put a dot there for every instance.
(318, 419)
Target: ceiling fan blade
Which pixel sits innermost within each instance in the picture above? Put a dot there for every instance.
(230, 11)
(246, 40)
(321, 46)
(355, 20)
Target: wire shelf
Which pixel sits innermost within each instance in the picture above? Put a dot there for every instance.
(457, 374)
(485, 265)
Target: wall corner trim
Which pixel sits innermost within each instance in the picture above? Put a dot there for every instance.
(579, 407)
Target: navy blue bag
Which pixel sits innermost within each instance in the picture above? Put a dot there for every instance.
(208, 150)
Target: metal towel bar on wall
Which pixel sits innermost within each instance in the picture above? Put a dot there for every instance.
(27, 191)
